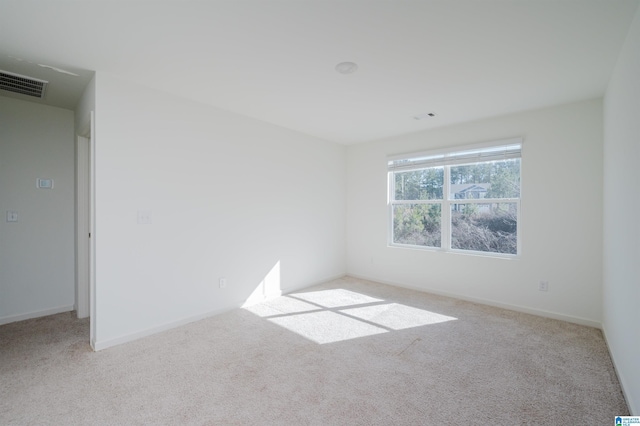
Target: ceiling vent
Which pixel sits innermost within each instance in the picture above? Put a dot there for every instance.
(22, 84)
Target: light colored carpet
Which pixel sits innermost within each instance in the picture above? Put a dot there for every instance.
(346, 352)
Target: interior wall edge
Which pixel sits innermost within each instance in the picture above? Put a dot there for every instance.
(632, 410)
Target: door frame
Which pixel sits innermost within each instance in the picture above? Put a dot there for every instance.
(85, 223)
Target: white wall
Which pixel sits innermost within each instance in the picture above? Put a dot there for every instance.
(86, 104)
(561, 221)
(621, 293)
(229, 197)
(37, 252)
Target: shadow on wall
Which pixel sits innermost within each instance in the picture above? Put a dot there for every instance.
(333, 315)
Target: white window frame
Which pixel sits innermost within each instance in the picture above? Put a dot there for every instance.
(448, 157)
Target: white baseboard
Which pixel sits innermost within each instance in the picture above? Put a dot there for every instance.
(37, 314)
(633, 410)
(312, 283)
(489, 302)
(263, 298)
(104, 344)
(259, 299)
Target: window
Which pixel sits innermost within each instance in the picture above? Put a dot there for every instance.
(467, 199)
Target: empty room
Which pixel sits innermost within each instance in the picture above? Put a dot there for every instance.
(292, 212)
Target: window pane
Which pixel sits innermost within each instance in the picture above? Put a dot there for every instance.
(417, 224)
(485, 227)
(425, 184)
(493, 179)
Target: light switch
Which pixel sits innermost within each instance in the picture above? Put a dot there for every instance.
(44, 183)
(12, 216)
(144, 217)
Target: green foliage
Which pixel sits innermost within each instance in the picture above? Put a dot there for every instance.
(471, 173)
(425, 184)
(417, 224)
(469, 209)
(503, 177)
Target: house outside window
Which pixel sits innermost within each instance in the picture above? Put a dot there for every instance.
(463, 199)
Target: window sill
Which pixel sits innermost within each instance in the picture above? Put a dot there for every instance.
(504, 256)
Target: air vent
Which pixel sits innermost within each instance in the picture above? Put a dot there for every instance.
(22, 84)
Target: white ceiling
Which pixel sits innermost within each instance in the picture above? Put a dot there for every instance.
(274, 59)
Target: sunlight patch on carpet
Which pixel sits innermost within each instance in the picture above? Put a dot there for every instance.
(335, 315)
(396, 316)
(336, 298)
(326, 326)
(280, 306)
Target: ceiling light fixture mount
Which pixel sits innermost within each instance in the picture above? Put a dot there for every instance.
(347, 67)
(423, 116)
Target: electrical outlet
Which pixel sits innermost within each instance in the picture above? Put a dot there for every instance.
(12, 216)
(144, 217)
(223, 283)
(543, 286)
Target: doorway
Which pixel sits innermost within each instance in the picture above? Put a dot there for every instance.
(85, 282)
